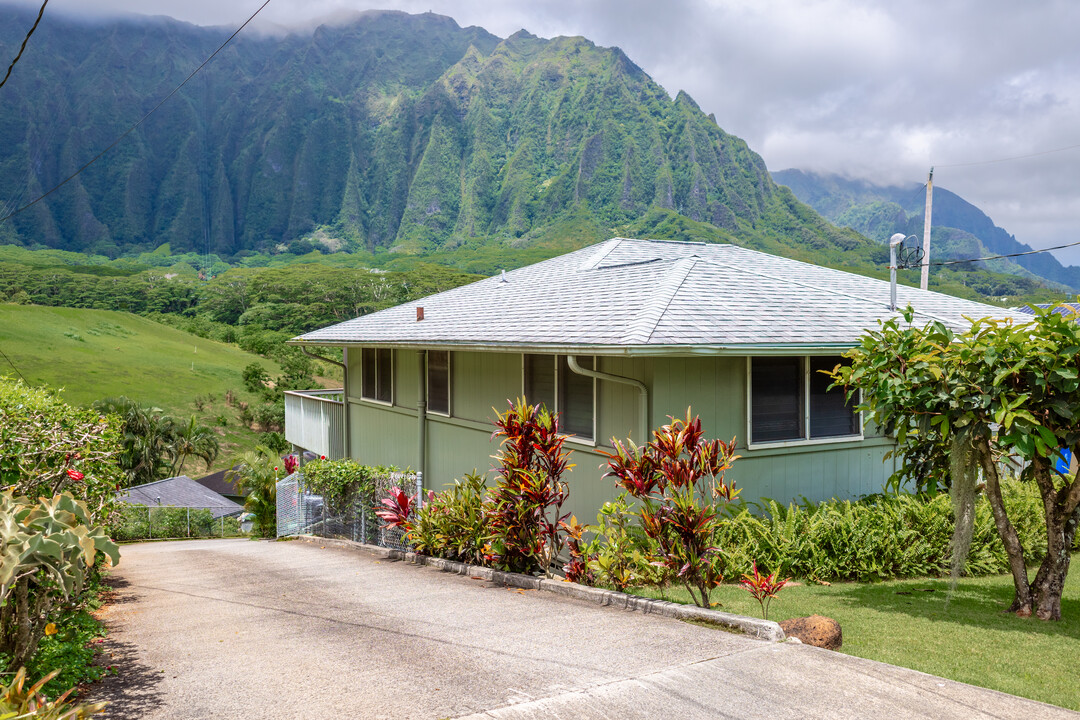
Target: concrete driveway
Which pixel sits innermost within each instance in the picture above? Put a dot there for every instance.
(247, 630)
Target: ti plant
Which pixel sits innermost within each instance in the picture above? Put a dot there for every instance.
(451, 524)
(18, 701)
(47, 548)
(396, 509)
(524, 509)
(763, 588)
(678, 477)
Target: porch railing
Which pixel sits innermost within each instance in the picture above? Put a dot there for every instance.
(315, 421)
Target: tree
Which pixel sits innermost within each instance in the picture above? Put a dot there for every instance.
(256, 477)
(193, 439)
(999, 389)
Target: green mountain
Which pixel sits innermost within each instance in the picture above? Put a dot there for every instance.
(389, 131)
(960, 230)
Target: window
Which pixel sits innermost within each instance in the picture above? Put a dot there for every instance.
(438, 382)
(790, 401)
(548, 380)
(377, 372)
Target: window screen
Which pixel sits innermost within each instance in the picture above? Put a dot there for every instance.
(376, 374)
(576, 398)
(540, 380)
(776, 399)
(830, 413)
(438, 381)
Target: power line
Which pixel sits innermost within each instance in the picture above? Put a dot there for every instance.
(1014, 157)
(23, 46)
(999, 257)
(137, 124)
(14, 368)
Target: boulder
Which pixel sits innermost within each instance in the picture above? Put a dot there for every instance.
(815, 630)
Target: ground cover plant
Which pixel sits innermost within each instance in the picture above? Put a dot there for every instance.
(970, 638)
(1000, 388)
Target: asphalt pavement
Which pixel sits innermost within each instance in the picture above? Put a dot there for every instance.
(239, 629)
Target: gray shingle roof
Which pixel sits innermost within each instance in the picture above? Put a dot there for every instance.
(641, 296)
(180, 491)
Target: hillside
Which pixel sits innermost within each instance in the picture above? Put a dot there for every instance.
(94, 354)
(390, 131)
(961, 230)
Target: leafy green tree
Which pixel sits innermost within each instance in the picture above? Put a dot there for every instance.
(148, 439)
(193, 440)
(999, 389)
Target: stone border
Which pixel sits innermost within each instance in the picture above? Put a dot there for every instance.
(762, 629)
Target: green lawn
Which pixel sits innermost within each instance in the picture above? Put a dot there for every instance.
(907, 623)
(100, 353)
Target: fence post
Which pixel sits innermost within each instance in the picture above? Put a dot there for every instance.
(189, 523)
(149, 523)
(222, 526)
(419, 491)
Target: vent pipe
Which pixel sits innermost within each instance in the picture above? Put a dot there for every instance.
(419, 313)
(894, 242)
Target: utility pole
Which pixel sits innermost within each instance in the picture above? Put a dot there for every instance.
(926, 231)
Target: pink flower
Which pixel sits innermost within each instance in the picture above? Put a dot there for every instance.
(75, 474)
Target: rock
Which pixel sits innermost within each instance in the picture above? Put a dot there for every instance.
(815, 630)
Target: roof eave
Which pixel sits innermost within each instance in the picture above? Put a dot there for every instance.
(598, 349)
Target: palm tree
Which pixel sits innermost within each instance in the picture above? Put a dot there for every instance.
(256, 477)
(148, 439)
(193, 439)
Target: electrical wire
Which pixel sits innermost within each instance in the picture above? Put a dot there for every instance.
(137, 124)
(14, 368)
(1008, 159)
(23, 46)
(1010, 255)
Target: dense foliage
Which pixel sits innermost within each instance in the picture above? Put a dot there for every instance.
(451, 524)
(49, 447)
(19, 700)
(998, 389)
(138, 522)
(47, 549)
(256, 478)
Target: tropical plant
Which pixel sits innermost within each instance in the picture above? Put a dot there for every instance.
(523, 511)
(49, 447)
(343, 484)
(47, 547)
(621, 553)
(998, 389)
(396, 508)
(451, 524)
(579, 551)
(256, 477)
(678, 479)
(763, 588)
(193, 440)
(19, 702)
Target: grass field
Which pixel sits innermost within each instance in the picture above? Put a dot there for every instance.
(94, 354)
(971, 639)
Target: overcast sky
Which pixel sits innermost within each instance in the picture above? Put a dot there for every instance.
(878, 90)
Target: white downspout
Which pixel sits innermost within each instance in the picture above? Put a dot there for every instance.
(643, 391)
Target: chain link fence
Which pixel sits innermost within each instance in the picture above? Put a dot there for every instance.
(300, 512)
(167, 522)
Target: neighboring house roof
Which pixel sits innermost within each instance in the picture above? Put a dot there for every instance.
(636, 297)
(179, 491)
(218, 483)
(1059, 308)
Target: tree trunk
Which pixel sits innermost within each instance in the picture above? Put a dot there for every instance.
(1061, 525)
(1022, 604)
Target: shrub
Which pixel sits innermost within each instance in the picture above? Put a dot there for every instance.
(678, 478)
(522, 511)
(341, 483)
(18, 701)
(256, 477)
(452, 525)
(47, 548)
(877, 538)
(43, 438)
(137, 522)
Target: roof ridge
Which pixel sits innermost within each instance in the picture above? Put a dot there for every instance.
(597, 257)
(642, 327)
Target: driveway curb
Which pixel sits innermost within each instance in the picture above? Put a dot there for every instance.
(761, 629)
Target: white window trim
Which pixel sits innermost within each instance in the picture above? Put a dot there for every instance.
(449, 384)
(571, 437)
(806, 439)
(370, 400)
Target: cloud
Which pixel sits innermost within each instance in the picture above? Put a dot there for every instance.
(874, 89)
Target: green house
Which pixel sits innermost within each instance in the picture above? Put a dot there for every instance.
(617, 337)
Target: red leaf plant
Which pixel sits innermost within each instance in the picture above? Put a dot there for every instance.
(75, 474)
(577, 569)
(524, 509)
(291, 463)
(396, 509)
(678, 477)
(763, 588)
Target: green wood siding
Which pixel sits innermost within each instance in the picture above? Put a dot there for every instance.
(714, 387)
